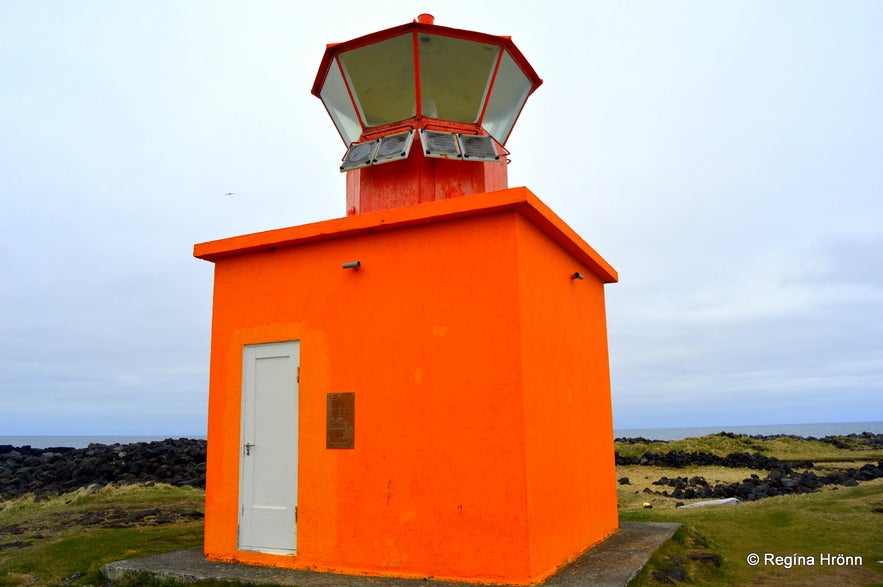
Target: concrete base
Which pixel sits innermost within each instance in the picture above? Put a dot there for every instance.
(613, 563)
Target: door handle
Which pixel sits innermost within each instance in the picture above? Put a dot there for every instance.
(248, 447)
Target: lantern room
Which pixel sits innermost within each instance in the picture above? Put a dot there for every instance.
(454, 92)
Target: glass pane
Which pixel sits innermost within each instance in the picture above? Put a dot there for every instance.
(454, 77)
(507, 99)
(339, 105)
(381, 77)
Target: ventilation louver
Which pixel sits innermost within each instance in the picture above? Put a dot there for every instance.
(478, 148)
(436, 144)
(393, 147)
(442, 145)
(358, 155)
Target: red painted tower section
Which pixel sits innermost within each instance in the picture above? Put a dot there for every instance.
(419, 179)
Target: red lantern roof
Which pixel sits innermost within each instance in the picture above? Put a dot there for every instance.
(420, 76)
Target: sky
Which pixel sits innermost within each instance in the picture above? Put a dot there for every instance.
(726, 157)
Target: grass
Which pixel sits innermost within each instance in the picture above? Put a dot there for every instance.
(836, 520)
(784, 448)
(147, 580)
(847, 521)
(64, 540)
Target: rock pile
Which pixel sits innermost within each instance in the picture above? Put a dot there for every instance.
(58, 470)
(739, 460)
(777, 482)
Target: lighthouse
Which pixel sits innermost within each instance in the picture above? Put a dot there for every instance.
(420, 387)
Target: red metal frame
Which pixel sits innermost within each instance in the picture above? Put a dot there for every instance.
(334, 48)
(418, 93)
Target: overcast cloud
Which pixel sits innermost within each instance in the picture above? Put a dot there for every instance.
(725, 157)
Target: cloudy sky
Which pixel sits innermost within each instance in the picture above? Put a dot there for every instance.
(725, 157)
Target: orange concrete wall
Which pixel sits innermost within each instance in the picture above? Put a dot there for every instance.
(424, 335)
(567, 406)
(483, 427)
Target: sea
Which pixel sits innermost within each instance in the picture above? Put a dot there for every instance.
(805, 430)
(83, 440)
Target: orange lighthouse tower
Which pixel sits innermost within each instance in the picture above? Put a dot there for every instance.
(421, 387)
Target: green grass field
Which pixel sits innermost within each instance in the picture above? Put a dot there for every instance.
(847, 521)
(836, 521)
(64, 540)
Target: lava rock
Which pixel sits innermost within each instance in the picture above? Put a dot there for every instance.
(777, 482)
(56, 470)
(706, 557)
(669, 575)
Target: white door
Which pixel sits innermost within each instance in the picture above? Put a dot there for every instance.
(268, 457)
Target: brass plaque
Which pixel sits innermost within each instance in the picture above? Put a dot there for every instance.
(340, 420)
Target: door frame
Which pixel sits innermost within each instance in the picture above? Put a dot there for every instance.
(248, 441)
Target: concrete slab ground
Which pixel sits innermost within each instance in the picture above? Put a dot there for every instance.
(613, 563)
